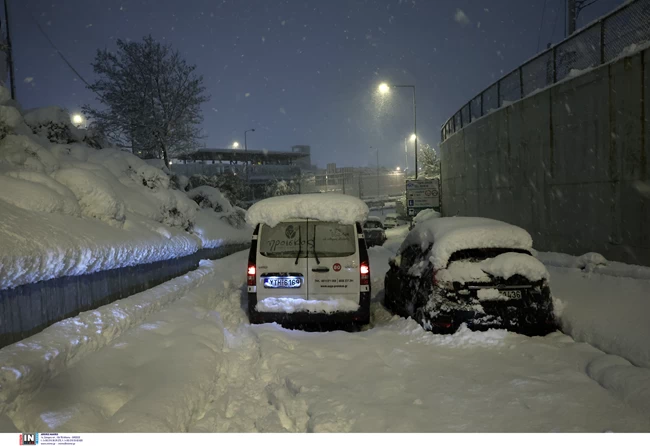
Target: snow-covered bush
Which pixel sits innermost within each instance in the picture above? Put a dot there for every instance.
(54, 124)
(96, 197)
(208, 197)
(232, 186)
(34, 196)
(21, 151)
(70, 206)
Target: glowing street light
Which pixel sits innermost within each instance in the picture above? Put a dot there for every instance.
(235, 145)
(77, 119)
(384, 88)
(398, 168)
(413, 137)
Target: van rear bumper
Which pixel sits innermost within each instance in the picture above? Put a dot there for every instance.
(307, 321)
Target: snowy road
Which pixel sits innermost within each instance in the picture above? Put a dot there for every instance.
(196, 365)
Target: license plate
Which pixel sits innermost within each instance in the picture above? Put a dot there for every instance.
(282, 282)
(511, 294)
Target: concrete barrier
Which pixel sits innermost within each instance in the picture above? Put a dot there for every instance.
(30, 308)
(570, 164)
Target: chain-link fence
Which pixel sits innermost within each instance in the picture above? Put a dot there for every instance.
(618, 34)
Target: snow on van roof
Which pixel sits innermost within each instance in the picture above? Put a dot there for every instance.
(452, 234)
(325, 207)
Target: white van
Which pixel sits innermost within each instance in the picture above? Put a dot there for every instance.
(304, 271)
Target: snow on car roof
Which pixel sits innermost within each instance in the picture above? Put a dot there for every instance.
(452, 234)
(374, 218)
(325, 207)
(392, 215)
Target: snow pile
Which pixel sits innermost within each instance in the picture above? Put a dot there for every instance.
(325, 207)
(512, 263)
(453, 234)
(594, 262)
(424, 215)
(68, 208)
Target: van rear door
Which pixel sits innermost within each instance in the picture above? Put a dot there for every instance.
(333, 263)
(282, 261)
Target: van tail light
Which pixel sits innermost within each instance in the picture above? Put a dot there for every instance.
(364, 271)
(251, 274)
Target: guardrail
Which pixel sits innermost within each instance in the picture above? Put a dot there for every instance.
(612, 36)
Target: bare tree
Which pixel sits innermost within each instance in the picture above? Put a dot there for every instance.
(152, 98)
(430, 162)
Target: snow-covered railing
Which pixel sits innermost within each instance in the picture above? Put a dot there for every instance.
(615, 35)
(27, 309)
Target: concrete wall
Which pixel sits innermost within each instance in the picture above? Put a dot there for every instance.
(570, 164)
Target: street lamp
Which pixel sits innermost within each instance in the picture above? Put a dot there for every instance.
(235, 145)
(77, 119)
(246, 151)
(384, 88)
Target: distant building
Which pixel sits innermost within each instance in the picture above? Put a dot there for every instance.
(264, 166)
(359, 182)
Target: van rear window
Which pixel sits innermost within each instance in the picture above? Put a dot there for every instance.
(328, 239)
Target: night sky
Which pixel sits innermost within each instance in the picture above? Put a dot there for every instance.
(299, 71)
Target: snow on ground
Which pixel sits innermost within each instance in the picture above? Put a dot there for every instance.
(608, 312)
(325, 207)
(196, 365)
(67, 208)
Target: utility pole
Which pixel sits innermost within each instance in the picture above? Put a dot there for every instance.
(572, 15)
(10, 59)
(246, 155)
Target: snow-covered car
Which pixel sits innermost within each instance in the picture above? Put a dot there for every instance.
(308, 264)
(373, 231)
(391, 221)
(477, 271)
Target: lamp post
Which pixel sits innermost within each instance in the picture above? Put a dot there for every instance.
(246, 152)
(377, 151)
(384, 88)
(406, 150)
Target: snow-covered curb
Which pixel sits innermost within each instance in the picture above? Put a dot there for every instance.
(26, 365)
(594, 262)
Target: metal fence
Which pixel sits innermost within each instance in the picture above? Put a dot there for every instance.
(613, 36)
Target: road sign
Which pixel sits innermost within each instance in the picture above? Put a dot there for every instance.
(422, 194)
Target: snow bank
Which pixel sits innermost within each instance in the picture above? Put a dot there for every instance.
(70, 209)
(41, 246)
(325, 207)
(608, 312)
(215, 232)
(452, 234)
(594, 262)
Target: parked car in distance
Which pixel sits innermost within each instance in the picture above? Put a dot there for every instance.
(373, 231)
(477, 271)
(308, 266)
(391, 221)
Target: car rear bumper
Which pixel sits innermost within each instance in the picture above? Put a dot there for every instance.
(308, 321)
(532, 316)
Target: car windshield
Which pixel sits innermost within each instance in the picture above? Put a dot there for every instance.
(328, 239)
